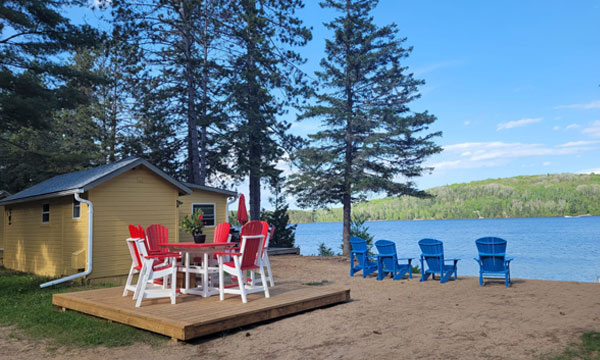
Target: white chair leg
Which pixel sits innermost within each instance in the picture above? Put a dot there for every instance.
(241, 277)
(264, 281)
(129, 279)
(174, 285)
(144, 283)
(221, 279)
(267, 263)
(142, 279)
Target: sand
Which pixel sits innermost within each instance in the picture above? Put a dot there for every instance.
(405, 319)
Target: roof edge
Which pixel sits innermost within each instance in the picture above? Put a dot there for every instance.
(209, 188)
(41, 197)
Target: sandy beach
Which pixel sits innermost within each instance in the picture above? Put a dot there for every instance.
(405, 319)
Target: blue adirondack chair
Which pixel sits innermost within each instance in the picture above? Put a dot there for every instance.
(387, 261)
(432, 253)
(492, 259)
(366, 262)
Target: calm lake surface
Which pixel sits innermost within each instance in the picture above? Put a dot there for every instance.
(565, 249)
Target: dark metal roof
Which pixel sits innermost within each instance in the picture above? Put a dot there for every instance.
(4, 194)
(84, 180)
(210, 188)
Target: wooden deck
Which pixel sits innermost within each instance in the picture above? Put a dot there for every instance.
(194, 316)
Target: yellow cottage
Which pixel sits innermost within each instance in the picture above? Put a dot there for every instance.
(76, 224)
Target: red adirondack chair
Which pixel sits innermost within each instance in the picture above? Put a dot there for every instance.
(136, 261)
(260, 228)
(157, 234)
(155, 267)
(245, 259)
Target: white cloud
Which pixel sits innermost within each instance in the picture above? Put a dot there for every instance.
(572, 126)
(593, 130)
(590, 171)
(467, 122)
(517, 123)
(436, 66)
(578, 143)
(546, 163)
(491, 154)
(591, 105)
(556, 127)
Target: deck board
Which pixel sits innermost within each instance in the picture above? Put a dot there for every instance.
(194, 316)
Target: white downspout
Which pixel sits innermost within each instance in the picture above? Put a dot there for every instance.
(233, 199)
(89, 252)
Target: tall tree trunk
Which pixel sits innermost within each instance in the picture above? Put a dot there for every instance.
(204, 128)
(347, 196)
(192, 120)
(253, 115)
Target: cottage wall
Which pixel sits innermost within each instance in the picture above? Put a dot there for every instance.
(44, 249)
(203, 197)
(138, 196)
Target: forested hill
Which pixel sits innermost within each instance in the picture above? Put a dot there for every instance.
(521, 196)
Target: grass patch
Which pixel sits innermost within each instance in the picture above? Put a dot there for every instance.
(28, 307)
(317, 283)
(588, 349)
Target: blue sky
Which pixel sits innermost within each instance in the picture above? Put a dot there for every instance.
(514, 84)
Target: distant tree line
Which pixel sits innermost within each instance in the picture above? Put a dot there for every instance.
(522, 196)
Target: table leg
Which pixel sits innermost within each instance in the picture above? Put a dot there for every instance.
(187, 271)
(205, 276)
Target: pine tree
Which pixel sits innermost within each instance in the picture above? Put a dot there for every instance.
(370, 141)
(263, 34)
(285, 233)
(34, 82)
(175, 44)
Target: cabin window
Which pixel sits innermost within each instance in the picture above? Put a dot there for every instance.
(76, 209)
(45, 213)
(209, 213)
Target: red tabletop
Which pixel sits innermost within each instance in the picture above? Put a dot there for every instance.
(198, 248)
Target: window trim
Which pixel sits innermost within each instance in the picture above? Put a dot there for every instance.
(46, 212)
(214, 205)
(73, 209)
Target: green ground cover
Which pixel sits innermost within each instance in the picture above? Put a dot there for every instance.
(29, 309)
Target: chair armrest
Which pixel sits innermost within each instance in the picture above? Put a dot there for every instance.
(476, 259)
(455, 260)
(406, 258)
(228, 253)
(508, 260)
(162, 256)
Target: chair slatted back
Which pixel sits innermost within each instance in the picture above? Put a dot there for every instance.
(157, 234)
(492, 253)
(132, 246)
(387, 249)
(251, 250)
(432, 251)
(221, 234)
(359, 248)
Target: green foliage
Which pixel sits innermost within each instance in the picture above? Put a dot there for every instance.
(324, 250)
(34, 81)
(369, 137)
(285, 233)
(359, 229)
(30, 309)
(416, 269)
(193, 223)
(521, 196)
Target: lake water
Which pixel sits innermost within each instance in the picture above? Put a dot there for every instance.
(565, 249)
